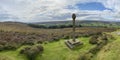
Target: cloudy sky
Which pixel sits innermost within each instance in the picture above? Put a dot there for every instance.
(59, 10)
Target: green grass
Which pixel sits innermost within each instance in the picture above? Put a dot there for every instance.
(52, 51)
(59, 51)
(11, 55)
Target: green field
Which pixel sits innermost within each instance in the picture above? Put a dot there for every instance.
(52, 51)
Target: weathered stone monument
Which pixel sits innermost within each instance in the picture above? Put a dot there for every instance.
(73, 42)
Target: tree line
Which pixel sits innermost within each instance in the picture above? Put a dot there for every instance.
(55, 26)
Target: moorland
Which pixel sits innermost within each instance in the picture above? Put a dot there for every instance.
(45, 41)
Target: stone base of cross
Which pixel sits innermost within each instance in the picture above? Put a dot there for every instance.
(72, 44)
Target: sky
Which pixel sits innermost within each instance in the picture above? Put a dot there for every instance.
(59, 10)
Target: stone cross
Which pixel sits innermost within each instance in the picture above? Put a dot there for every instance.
(73, 17)
(72, 43)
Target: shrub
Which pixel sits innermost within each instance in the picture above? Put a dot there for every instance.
(39, 42)
(95, 49)
(93, 39)
(55, 39)
(10, 46)
(111, 37)
(28, 42)
(98, 46)
(32, 52)
(40, 48)
(25, 49)
(45, 42)
(86, 56)
(66, 37)
(1, 47)
(3, 42)
(104, 37)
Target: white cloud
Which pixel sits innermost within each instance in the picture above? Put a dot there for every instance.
(46, 10)
(112, 4)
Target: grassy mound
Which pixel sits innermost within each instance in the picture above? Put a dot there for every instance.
(111, 51)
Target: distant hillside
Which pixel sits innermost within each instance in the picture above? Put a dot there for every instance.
(67, 24)
(57, 24)
(14, 26)
(77, 22)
